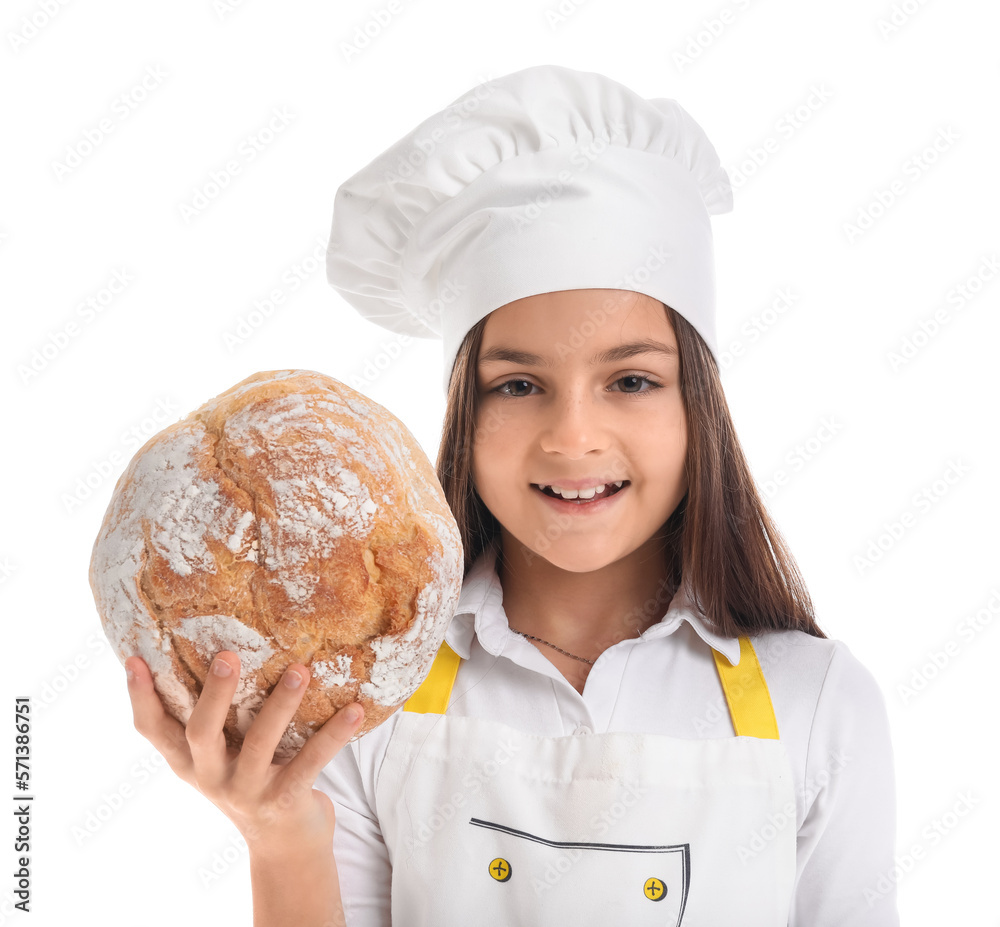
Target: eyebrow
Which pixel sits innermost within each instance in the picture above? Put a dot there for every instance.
(619, 352)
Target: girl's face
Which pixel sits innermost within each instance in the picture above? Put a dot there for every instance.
(577, 389)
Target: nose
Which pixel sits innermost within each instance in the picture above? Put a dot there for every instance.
(573, 425)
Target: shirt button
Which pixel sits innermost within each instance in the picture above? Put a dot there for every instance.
(583, 729)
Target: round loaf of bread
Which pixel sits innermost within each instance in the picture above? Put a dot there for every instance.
(291, 520)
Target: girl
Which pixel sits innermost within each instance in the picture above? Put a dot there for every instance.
(634, 712)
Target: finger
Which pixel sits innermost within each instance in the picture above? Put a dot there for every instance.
(298, 778)
(324, 745)
(264, 734)
(205, 726)
(151, 719)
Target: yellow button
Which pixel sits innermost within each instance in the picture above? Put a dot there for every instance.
(500, 869)
(654, 890)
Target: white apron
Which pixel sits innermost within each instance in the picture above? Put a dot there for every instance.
(487, 825)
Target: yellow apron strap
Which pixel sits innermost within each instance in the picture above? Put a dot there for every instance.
(746, 692)
(435, 691)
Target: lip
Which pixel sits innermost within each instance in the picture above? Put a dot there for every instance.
(573, 505)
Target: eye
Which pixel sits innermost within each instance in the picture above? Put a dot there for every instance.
(503, 391)
(635, 379)
(632, 383)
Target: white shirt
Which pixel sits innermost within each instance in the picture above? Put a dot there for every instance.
(831, 718)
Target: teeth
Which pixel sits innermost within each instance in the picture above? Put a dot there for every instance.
(582, 493)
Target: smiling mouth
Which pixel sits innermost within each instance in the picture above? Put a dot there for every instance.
(608, 490)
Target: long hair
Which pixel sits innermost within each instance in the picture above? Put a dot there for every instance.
(720, 537)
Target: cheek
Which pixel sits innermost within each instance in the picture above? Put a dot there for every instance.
(668, 423)
(671, 444)
(487, 448)
(498, 452)
(497, 427)
(492, 421)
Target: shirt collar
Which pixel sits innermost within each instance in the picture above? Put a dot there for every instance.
(480, 613)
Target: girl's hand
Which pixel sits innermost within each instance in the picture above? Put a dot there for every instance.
(273, 805)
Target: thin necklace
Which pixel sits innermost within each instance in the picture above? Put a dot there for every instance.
(554, 647)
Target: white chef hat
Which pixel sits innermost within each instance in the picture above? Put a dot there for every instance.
(547, 179)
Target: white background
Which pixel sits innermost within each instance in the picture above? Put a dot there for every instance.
(127, 844)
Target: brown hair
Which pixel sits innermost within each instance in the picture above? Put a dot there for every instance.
(720, 536)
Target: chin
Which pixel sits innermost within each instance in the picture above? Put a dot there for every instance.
(572, 558)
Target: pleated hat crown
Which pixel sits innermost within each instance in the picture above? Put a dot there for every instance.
(546, 179)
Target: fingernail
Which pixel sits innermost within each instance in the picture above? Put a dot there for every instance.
(352, 714)
(292, 679)
(221, 668)
(129, 675)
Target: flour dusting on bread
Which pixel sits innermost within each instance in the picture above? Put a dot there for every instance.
(290, 519)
